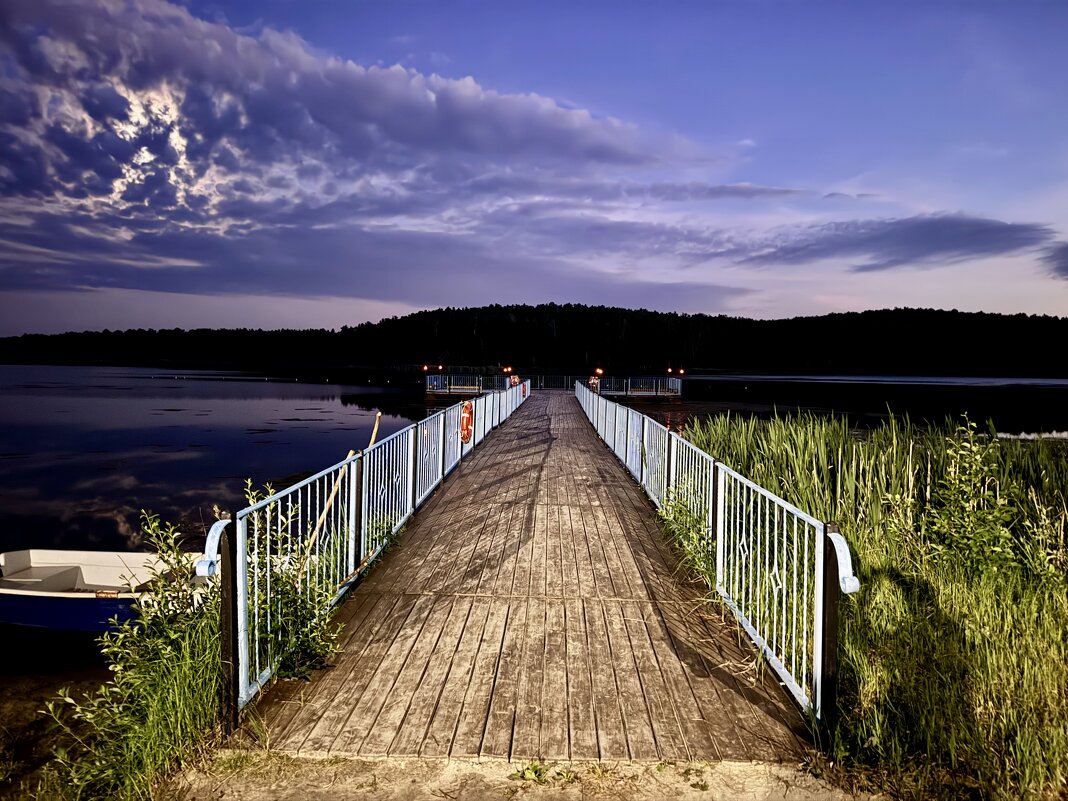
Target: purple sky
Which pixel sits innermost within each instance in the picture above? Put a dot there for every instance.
(309, 164)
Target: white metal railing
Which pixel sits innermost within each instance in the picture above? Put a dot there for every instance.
(654, 385)
(455, 384)
(294, 541)
(778, 569)
(473, 384)
(318, 536)
(556, 381)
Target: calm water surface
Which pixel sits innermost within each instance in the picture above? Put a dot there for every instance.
(84, 449)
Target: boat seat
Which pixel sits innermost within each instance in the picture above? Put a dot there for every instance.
(48, 578)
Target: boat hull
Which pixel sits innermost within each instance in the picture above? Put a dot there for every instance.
(72, 590)
(63, 612)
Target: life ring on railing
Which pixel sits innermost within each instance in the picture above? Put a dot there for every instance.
(467, 422)
(524, 390)
(514, 380)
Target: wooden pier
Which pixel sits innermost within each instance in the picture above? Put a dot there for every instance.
(533, 608)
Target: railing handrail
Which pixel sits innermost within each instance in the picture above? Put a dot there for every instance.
(847, 581)
(296, 487)
(770, 495)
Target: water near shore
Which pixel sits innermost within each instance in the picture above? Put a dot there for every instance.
(1016, 406)
(84, 449)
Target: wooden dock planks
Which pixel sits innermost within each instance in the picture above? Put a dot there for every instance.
(532, 608)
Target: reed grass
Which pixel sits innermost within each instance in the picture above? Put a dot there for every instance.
(163, 699)
(954, 654)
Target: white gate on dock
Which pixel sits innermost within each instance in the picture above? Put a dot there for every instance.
(779, 570)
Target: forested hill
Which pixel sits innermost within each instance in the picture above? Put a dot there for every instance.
(575, 338)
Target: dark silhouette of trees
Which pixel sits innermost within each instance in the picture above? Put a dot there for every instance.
(571, 338)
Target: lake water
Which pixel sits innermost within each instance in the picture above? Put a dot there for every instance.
(84, 449)
(1014, 405)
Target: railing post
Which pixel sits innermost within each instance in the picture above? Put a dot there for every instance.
(361, 506)
(710, 523)
(413, 467)
(644, 469)
(444, 417)
(720, 483)
(669, 483)
(352, 535)
(228, 629)
(827, 692)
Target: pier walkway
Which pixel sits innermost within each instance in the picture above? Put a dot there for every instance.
(533, 608)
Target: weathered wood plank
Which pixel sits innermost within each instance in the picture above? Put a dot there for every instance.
(641, 739)
(585, 584)
(378, 684)
(554, 717)
(681, 670)
(319, 726)
(399, 698)
(413, 730)
(442, 729)
(472, 723)
(526, 743)
(288, 695)
(666, 727)
(581, 724)
(498, 739)
(611, 736)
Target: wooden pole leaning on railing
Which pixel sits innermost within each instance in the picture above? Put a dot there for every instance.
(330, 498)
(325, 513)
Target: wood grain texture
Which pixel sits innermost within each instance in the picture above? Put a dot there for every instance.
(533, 608)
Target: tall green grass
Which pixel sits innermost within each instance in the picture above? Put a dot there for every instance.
(954, 654)
(163, 699)
(163, 702)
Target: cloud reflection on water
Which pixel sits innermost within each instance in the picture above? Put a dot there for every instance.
(83, 450)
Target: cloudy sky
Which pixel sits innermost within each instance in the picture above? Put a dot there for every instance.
(313, 164)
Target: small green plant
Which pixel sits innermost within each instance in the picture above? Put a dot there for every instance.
(969, 518)
(684, 523)
(565, 775)
(307, 633)
(534, 771)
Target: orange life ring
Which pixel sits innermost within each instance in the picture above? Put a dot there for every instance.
(514, 380)
(467, 422)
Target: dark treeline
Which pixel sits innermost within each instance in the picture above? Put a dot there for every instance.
(575, 338)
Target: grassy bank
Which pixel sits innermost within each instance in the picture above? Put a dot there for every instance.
(955, 651)
(162, 704)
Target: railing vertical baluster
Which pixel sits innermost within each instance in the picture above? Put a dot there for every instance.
(672, 456)
(413, 469)
(444, 457)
